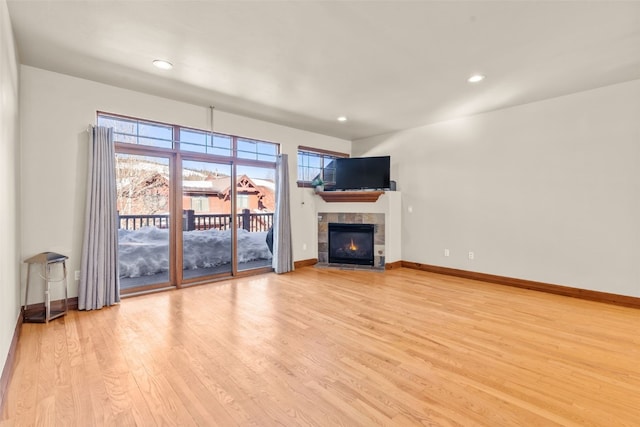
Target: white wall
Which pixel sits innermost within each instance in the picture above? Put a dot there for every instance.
(10, 262)
(55, 112)
(548, 191)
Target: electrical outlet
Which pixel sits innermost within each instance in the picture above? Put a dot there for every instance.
(77, 274)
(446, 252)
(471, 255)
(304, 246)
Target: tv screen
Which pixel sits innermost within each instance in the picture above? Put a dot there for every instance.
(362, 173)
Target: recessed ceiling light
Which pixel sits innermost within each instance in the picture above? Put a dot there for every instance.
(162, 64)
(342, 119)
(475, 78)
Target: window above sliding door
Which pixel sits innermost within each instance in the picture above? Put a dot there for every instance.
(140, 132)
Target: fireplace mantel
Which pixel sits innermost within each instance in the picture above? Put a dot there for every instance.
(350, 196)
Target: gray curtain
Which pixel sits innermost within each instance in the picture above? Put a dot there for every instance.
(282, 248)
(99, 280)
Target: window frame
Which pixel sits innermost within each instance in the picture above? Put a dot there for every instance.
(323, 154)
(176, 157)
(201, 201)
(233, 152)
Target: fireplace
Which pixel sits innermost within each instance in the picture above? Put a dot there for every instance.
(351, 244)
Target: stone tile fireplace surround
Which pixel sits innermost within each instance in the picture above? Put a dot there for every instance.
(384, 214)
(376, 219)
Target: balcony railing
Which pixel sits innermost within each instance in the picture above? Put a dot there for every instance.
(252, 222)
(134, 222)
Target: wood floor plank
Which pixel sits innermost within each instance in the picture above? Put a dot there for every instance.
(320, 347)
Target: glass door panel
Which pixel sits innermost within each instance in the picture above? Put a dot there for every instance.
(206, 223)
(143, 220)
(255, 206)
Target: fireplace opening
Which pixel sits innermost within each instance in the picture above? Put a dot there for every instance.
(351, 244)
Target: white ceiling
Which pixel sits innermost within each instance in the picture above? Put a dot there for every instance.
(386, 65)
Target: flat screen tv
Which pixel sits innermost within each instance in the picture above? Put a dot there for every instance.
(362, 173)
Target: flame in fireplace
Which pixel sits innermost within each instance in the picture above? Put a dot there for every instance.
(352, 246)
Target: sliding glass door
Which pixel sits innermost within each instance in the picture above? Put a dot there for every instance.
(207, 223)
(255, 208)
(143, 191)
(192, 205)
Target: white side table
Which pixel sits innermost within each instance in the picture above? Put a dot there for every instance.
(46, 261)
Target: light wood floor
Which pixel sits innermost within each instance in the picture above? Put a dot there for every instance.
(329, 348)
